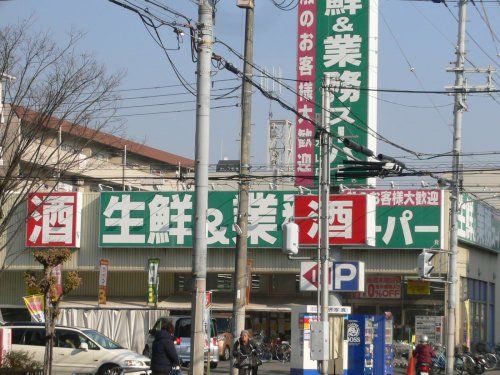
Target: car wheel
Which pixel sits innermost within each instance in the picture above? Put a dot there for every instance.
(227, 354)
(213, 364)
(146, 352)
(110, 370)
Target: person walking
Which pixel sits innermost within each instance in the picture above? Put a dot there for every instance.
(164, 356)
(245, 354)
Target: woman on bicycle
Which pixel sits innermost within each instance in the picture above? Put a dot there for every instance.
(245, 354)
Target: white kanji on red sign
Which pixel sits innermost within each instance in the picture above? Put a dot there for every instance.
(53, 220)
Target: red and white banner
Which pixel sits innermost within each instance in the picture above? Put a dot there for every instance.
(54, 219)
(306, 62)
(382, 287)
(57, 273)
(351, 219)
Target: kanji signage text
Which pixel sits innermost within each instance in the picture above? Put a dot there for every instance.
(53, 220)
(382, 287)
(351, 220)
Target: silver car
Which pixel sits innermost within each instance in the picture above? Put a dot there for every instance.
(182, 336)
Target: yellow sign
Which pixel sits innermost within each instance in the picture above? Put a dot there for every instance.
(418, 287)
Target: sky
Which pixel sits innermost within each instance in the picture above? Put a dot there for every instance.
(416, 45)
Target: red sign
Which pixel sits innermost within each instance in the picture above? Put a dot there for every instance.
(351, 219)
(385, 287)
(53, 220)
(57, 274)
(306, 75)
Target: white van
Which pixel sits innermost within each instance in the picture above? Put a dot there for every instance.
(78, 351)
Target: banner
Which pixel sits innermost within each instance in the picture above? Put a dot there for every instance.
(153, 280)
(405, 219)
(418, 287)
(103, 281)
(5, 343)
(57, 274)
(382, 287)
(54, 219)
(35, 305)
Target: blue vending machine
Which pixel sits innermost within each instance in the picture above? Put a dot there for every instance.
(359, 336)
(383, 348)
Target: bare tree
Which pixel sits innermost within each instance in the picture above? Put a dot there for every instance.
(46, 284)
(56, 90)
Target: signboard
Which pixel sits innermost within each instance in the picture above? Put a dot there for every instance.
(382, 287)
(418, 287)
(351, 219)
(346, 48)
(347, 276)
(478, 223)
(103, 281)
(306, 76)
(333, 310)
(165, 219)
(57, 274)
(431, 326)
(153, 280)
(404, 219)
(407, 218)
(54, 219)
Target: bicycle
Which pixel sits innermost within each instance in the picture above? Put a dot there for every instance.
(283, 352)
(244, 363)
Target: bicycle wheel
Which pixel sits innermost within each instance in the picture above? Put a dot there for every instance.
(283, 353)
(469, 364)
(491, 361)
(265, 354)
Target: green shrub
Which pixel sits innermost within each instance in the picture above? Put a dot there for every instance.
(20, 360)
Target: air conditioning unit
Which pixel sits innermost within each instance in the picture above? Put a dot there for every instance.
(245, 3)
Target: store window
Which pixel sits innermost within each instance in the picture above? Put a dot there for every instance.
(183, 282)
(224, 281)
(491, 314)
(478, 293)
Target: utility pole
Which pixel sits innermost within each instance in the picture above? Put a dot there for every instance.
(323, 206)
(460, 89)
(240, 277)
(204, 40)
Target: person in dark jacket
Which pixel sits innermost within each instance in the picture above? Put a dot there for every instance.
(164, 356)
(244, 348)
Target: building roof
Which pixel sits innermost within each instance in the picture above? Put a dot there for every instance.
(103, 138)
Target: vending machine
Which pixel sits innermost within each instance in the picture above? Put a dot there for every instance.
(360, 341)
(383, 348)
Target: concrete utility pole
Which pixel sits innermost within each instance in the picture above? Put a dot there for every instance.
(240, 277)
(323, 206)
(199, 259)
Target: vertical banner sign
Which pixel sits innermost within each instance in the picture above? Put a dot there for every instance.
(207, 317)
(306, 68)
(35, 305)
(249, 281)
(57, 274)
(54, 219)
(347, 36)
(153, 280)
(103, 281)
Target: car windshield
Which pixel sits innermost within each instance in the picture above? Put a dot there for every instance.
(102, 340)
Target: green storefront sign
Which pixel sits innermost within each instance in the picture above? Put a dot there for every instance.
(478, 223)
(404, 219)
(346, 50)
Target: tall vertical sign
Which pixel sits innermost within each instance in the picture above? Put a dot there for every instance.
(153, 280)
(103, 281)
(306, 68)
(343, 34)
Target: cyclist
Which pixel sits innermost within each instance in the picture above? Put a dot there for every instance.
(424, 353)
(245, 354)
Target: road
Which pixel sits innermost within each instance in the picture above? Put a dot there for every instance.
(278, 368)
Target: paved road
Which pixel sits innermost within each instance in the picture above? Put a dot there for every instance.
(278, 368)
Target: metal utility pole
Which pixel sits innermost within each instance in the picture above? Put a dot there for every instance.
(244, 186)
(204, 40)
(323, 206)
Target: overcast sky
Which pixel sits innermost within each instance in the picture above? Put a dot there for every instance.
(413, 34)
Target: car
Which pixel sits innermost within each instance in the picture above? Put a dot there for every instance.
(182, 339)
(78, 350)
